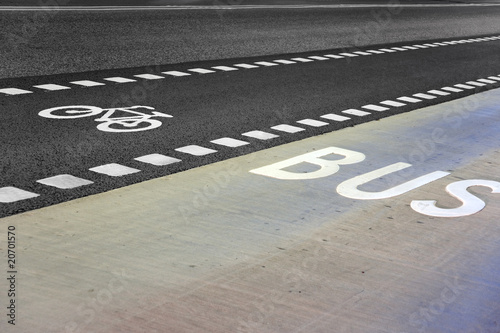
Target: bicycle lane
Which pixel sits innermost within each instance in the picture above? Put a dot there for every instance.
(226, 248)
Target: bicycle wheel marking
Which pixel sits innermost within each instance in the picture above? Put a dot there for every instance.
(134, 122)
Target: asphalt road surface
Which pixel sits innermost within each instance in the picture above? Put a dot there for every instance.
(226, 98)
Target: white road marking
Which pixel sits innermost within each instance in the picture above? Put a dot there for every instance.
(392, 103)
(88, 83)
(356, 112)
(118, 79)
(431, 45)
(334, 56)
(421, 46)
(176, 73)
(374, 107)
(14, 91)
(362, 53)
(451, 89)
(285, 62)
(318, 58)
(410, 47)
(302, 59)
(440, 44)
(114, 170)
(247, 66)
(409, 99)
(424, 96)
(494, 78)
(438, 92)
(287, 128)
(387, 50)
(477, 84)
(225, 68)
(201, 70)
(266, 63)
(196, 150)
(464, 86)
(486, 81)
(51, 87)
(260, 135)
(335, 117)
(65, 181)
(157, 159)
(313, 122)
(12, 194)
(230, 142)
(349, 55)
(398, 49)
(375, 51)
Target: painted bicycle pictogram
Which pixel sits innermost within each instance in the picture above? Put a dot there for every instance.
(130, 120)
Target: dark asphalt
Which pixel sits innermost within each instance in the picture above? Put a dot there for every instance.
(52, 42)
(207, 107)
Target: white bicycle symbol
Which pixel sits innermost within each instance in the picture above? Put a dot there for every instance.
(137, 121)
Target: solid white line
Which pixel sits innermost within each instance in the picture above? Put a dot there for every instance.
(287, 128)
(356, 112)
(335, 117)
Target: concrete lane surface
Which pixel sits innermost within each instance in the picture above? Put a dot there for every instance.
(387, 226)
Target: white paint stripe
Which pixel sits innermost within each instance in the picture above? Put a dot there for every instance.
(225, 68)
(421, 46)
(334, 56)
(118, 79)
(247, 66)
(424, 96)
(149, 76)
(375, 52)
(176, 73)
(451, 89)
(438, 92)
(431, 45)
(87, 83)
(486, 81)
(12, 194)
(14, 91)
(362, 53)
(65, 181)
(410, 47)
(287, 128)
(266, 63)
(393, 103)
(349, 55)
(374, 107)
(494, 78)
(477, 84)
(319, 58)
(114, 170)
(285, 62)
(335, 117)
(51, 87)
(387, 50)
(230, 142)
(302, 59)
(464, 86)
(201, 70)
(440, 44)
(313, 122)
(409, 99)
(398, 49)
(157, 159)
(356, 112)
(195, 150)
(260, 135)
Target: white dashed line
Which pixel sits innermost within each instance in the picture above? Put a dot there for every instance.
(410, 47)
(176, 73)
(362, 53)
(114, 170)
(451, 89)
(494, 78)
(51, 87)
(355, 112)
(230, 142)
(424, 96)
(14, 91)
(157, 159)
(266, 63)
(196, 150)
(118, 79)
(201, 70)
(349, 55)
(431, 45)
(374, 107)
(438, 92)
(87, 83)
(409, 99)
(335, 117)
(287, 128)
(302, 59)
(477, 84)
(487, 81)
(260, 135)
(421, 46)
(375, 52)
(313, 123)
(392, 103)
(464, 86)
(65, 182)
(387, 50)
(318, 58)
(398, 49)
(334, 56)
(285, 62)
(13, 194)
(247, 66)
(225, 68)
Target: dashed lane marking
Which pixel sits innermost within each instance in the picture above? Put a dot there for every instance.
(230, 142)
(12, 194)
(388, 50)
(285, 62)
(409, 99)
(287, 128)
(313, 122)
(392, 103)
(424, 96)
(266, 63)
(374, 107)
(114, 170)
(451, 89)
(335, 117)
(355, 112)
(157, 159)
(14, 91)
(487, 81)
(65, 182)
(51, 87)
(464, 86)
(176, 73)
(362, 53)
(247, 66)
(318, 58)
(261, 135)
(118, 79)
(477, 84)
(302, 59)
(351, 55)
(334, 56)
(375, 52)
(149, 76)
(438, 92)
(87, 83)
(225, 68)
(196, 150)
